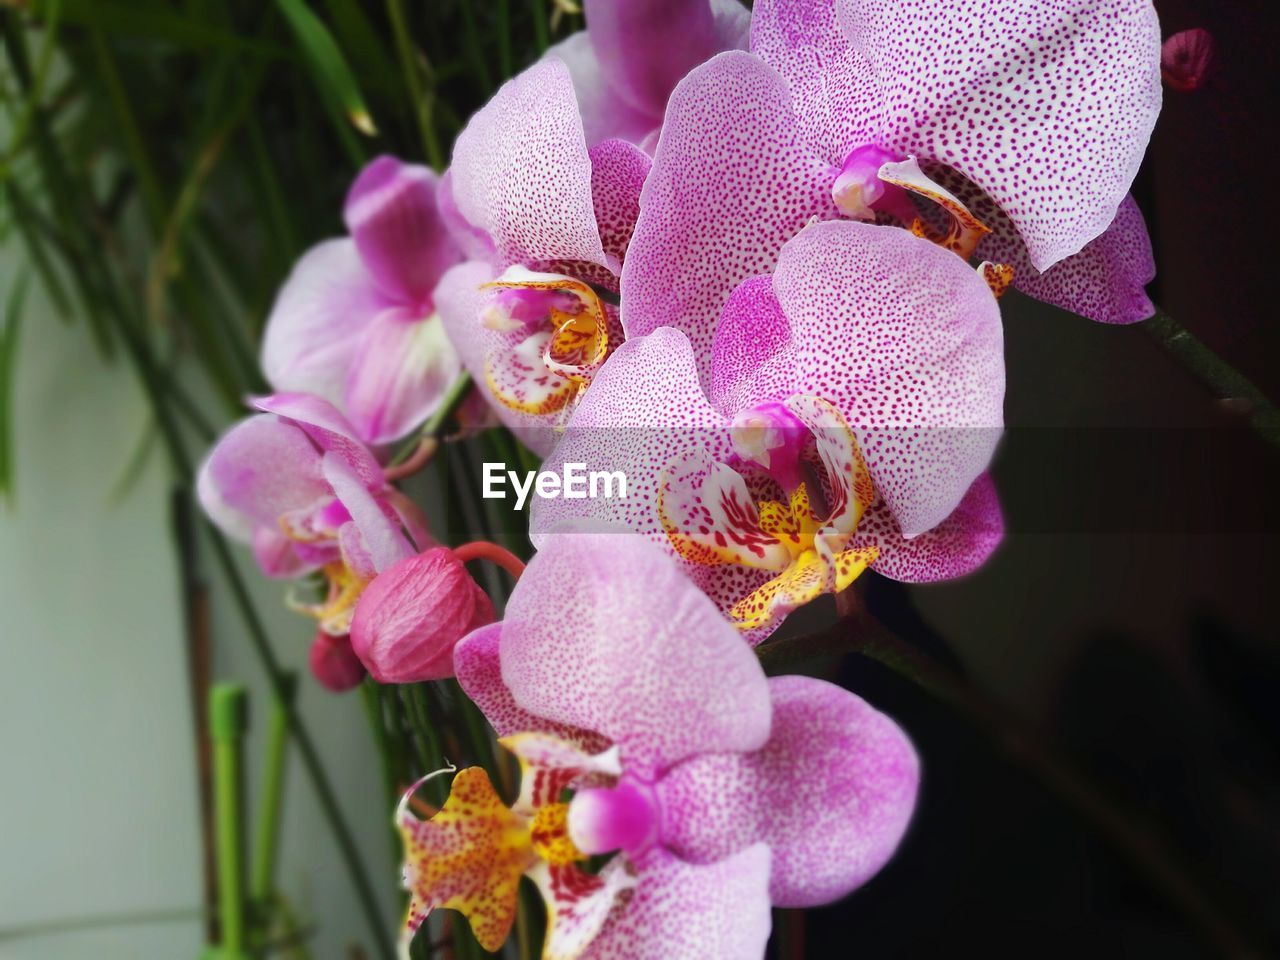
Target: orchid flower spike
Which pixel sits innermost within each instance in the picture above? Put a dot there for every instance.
(649, 737)
(633, 53)
(356, 322)
(854, 402)
(546, 223)
(976, 124)
(297, 483)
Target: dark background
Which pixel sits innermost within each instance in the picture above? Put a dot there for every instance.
(1128, 620)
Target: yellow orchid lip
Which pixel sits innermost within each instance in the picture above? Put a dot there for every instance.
(711, 518)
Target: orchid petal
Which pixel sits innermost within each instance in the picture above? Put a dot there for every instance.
(658, 671)
(904, 338)
(320, 314)
(479, 671)
(682, 911)
(378, 524)
(473, 241)
(646, 47)
(831, 793)
(957, 546)
(550, 764)
(260, 469)
(328, 429)
(731, 183)
(521, 172)
(753, 358)
(393, 217)
(401, 373)
(605, 114)
(618, 172)
(578, 903)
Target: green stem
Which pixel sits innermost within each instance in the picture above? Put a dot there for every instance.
(1132, 835)
(266, 843)
(1226, 382)
(421, 105)
(228, 719)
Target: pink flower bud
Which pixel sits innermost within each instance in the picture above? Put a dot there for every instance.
(1185, 59)
(334, 663)
(413, 613)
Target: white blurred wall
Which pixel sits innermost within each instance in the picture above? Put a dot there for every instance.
(97, 779)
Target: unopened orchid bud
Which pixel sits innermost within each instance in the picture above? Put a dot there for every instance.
(413, 613)
(334, 664)
(1185, 59)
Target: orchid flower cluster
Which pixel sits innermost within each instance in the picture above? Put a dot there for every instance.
(753, 261)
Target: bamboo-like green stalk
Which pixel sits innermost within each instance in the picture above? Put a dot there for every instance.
(266, 843)
(228, 720)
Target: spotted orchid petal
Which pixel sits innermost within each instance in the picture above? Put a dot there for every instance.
(904, 339)
(831, 793)
(521, 172)
(1047, 108)
(731, 183)
(582, 646)
(392, 215)
(469, 857)
(316, 325)
(259, 470)
(578, 903)
(683, 911)
(618, 172)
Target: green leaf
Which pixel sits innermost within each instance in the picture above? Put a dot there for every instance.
(328, 64)
(8, 351)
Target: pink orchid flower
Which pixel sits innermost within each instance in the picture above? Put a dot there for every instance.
(634, 52)
(1018, 125)
(854, 402)
(298, 484)
(356, 321)
(715, 792)
(546, 223)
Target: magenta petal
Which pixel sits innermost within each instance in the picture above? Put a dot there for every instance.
(605, 115)
(328, 429)
(1105, 281)
(479, 671)
(957, 546)
(831, 793)
(753, 358)
(604, 632)
(618, 171)
(904, 338)
(392, 214)
(646, 47)
(405, 365)
(682, 911)
(319, 316)
(259, 469)
(521, 172)
(1046, 107)
(730, 184)
(379, 526)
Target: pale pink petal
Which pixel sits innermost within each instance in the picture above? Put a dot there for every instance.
(605, 114)
(646, 47)
(379, 527)
(831, 793)
(320, 314)
(682, 911)
(731, 183)
(258, 470)
(392, 215)
(474, 242)
(460, 300)
(478, 668)
(1046, 107)
(957, 546)
(277, 555)
(328, 429)
(604, 632)
(521, 172)
(618, 171)
(405, 365)
(904, 338)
